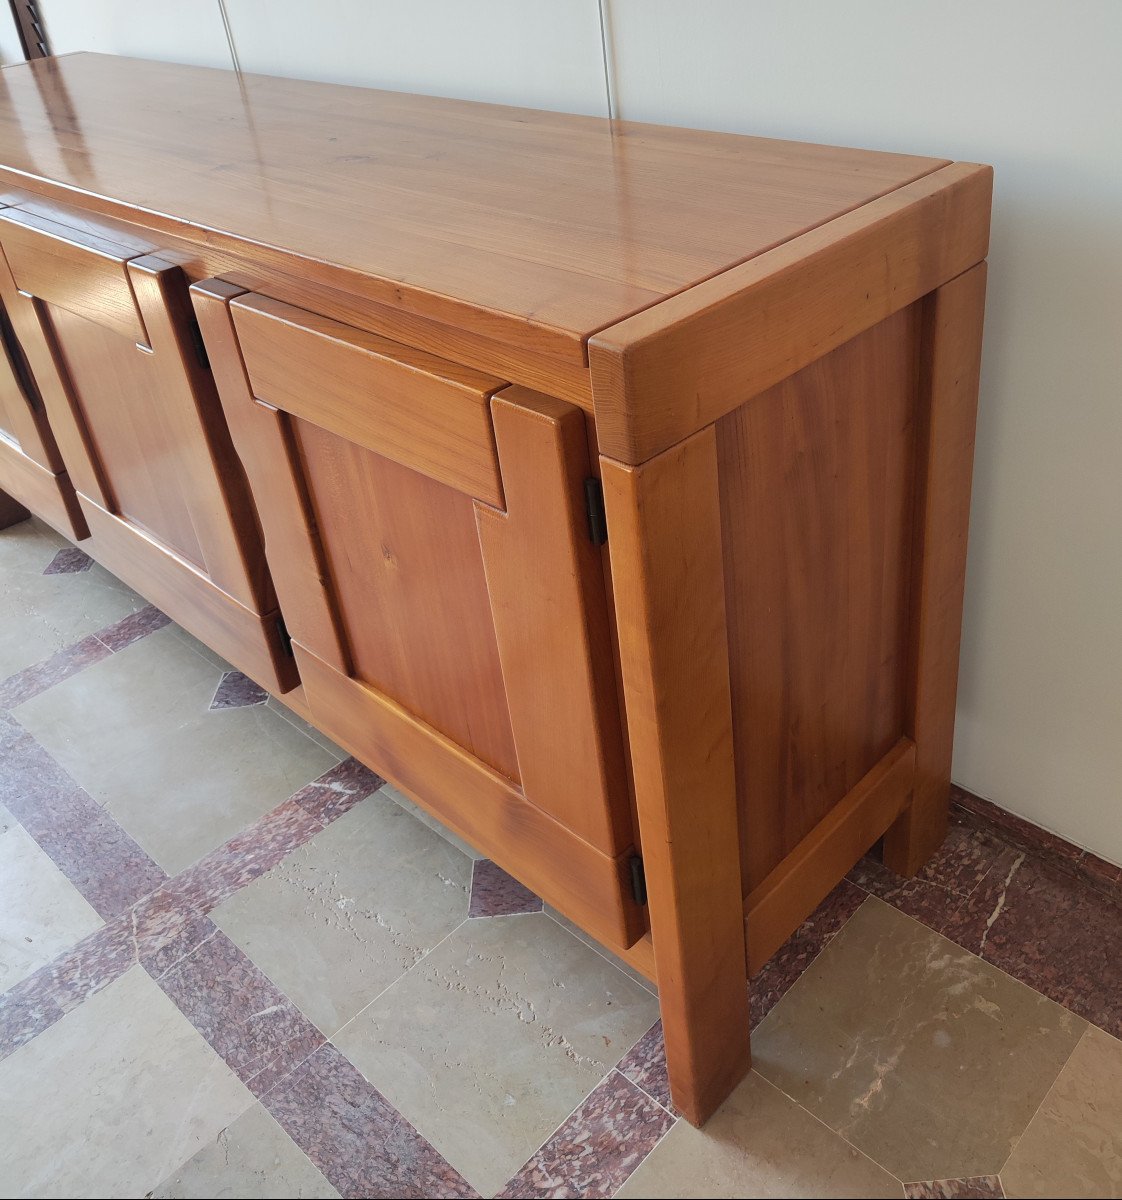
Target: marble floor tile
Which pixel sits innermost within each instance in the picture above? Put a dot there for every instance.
(341, 918)
(426, 818)
(134, 731)
(1051, 930)
(759, 1143)
(68, 561)
(236, 690)
(111, 1098)
(41, 912)
(919, 1053)
(253, 1157)
(632, 974)
(494, 893)
(981, 1187)
(361, 1143)
(1073, 1145)
(491, 1041)
(645, 1065)
(598, 1147)
(45, 613)
(7, 821)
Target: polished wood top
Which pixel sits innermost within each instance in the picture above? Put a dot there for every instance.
(533, 227)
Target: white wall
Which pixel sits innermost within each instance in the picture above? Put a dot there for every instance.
(1032, 86)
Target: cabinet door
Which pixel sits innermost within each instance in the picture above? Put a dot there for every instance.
(426, 529)
(31, 469)
(112, 344)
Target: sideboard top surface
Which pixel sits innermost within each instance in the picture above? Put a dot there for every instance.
(534, 227)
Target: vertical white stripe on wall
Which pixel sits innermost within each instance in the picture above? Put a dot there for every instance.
(1035, 88)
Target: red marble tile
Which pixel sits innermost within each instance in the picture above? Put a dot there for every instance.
(245, 857)
(257, 1030)
(598, 1147)
(68, 561)
(31, 681)
(25, 1011)
(338, 790)
(494, 893)
(236, 690)
(132, 628)
(1013, 829)
(1051, 931)
(645, 1066)
(106, 866)
(983, 1187)
(357, 1139)
(787, 964)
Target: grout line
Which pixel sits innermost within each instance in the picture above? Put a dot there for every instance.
(1044, 1099)
(374, 999)
(638, 977)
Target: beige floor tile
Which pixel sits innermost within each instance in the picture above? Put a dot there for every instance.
(1073, 1146)
(491, 1041)
(108, 1100)
(44, 613)
(759, 1143)
(926, 1058)
(603, 951)
(425, 818)
(341, 918)
(252, 1157)
(41, 912)
(135, 731)
(282, 710)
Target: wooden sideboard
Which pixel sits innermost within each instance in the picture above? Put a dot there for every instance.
(603, 485)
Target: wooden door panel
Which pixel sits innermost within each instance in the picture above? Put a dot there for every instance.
(457, 642)
(111, 338)
(403, 559)
(118, 397)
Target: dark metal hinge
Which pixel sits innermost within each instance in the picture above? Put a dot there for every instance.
(597, 518)
(638, 879)
(199, 344)
(285, 637)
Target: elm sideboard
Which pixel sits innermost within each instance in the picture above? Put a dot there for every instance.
(603, 485)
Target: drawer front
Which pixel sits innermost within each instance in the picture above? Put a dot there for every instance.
(425, 527)
(110, 338)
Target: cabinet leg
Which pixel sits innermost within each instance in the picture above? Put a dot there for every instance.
(11, 511)
(950, 359)
(664, 539)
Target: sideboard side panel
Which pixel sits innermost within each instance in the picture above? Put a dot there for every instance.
(816, 484)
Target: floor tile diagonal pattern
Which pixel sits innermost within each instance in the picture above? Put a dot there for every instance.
(1016, 967)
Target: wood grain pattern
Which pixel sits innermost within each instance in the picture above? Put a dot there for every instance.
(402, 553)
(420, 411)
(23, 420)
(264, 442)
(48, 495)
(546, 587)
(777, 906)
(664, 538)
(952, 349)
(816, 482)
(249, 640)
(575, 222)
(202, 458)
(479, 804)
(72, 269)
(684, 363)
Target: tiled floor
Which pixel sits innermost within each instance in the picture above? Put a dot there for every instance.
(234, 962)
